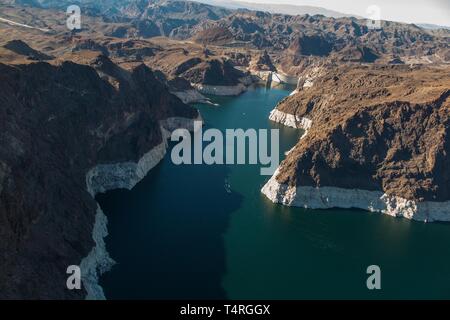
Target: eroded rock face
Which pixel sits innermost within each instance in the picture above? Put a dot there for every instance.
(379, 129)
(59, 122)
(314, 45)
(214, 72)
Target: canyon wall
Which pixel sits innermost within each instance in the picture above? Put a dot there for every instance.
(377, 139)
(69, 133)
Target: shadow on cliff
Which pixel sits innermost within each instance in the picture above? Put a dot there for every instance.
(167, 234)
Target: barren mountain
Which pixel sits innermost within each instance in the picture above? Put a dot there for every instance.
(292, 37)
(58, 123)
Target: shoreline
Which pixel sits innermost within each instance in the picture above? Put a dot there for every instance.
(371, 201)
(219, 90)
(290, 120)
(196, 94)
(125, 175)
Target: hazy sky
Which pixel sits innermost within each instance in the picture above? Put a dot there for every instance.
(418, 11)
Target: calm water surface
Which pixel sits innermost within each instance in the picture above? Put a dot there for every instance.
(180, 234)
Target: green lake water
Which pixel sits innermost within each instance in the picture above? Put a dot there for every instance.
(180, 234)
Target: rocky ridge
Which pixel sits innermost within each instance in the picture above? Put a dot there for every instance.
(59, 123)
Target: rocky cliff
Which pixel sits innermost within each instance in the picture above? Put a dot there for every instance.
(378, 138)
(58, 124)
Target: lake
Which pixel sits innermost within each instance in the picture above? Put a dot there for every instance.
(180, 234)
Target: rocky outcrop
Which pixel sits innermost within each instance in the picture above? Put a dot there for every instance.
(125, 175)
(374, 201)
(357, 54)
(186, 65)
(378, 140)
(68, 134)
(315, 45)
(89, 44)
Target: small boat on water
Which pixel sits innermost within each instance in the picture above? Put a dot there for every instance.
(227, 186)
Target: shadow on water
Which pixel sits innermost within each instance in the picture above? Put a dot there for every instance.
(167, 234)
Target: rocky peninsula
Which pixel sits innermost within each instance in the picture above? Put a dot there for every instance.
(377, 139)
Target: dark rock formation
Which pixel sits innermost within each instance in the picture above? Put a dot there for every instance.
(147, 28)
(186, 65)
(379, 129)
(178, 84)
(214, 72)
(357, 54)
(131, 49)
(57, 123)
